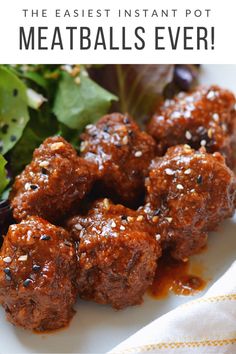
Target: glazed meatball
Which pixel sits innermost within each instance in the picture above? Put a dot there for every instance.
(122, 153)
(189, 192)
(117, 254)
(37, 275)
(52, 183)
(205, 117)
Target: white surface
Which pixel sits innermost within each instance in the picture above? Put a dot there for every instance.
(221, 17)
(96, 328)
(179, 330)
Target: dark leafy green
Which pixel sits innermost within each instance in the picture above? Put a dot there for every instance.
(80, 100)
(13, 109)
(23, 151)
(139, 87)
(3, 174)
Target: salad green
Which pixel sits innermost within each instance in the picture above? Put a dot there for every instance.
(37, 101)
(3, 175)
(13, 109)
(94, 101)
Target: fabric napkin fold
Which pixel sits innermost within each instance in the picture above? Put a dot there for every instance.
(203, 326)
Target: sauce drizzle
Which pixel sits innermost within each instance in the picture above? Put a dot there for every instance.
(175, 276)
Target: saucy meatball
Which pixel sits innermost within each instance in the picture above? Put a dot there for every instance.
(37, 275)
(206, 117)
(117, 254)
(122, 153)
(189, 192)
(52, 183)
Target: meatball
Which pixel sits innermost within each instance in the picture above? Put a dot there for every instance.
(122, 153)
(117, 254)
(205, 117)
(189, 192)
(37, 275)
(53, 183)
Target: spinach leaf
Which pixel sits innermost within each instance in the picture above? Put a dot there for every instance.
(22, 153)
(3, 175)
(80, 100)
(13, 109)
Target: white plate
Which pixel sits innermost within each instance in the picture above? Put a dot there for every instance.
(96, 328)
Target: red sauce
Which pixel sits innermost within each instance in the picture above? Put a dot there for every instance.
(176, 276)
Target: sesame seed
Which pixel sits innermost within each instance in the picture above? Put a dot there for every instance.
(113, 224)
(67, 243)
(192, 190)
(190, 107)
(106, 129)
(7, 259)
(185, 260)
(43, 164)
(179, 186)
(188, 171)
(33, 187)
(216, 117)
(7, 272)
(78, 227)
(27, 186)
(131, 133)
(175, 114)
(130, 218)
(209, 133)
(125, 140)
(188, 135)
(199, 179)
(45, 238)
(187, 114)
(203, 142)
(23, 258)
(169, 219)
(106, 203)
(89, 126)
(138, 154)
(169, 171)
(157, 212)
(27, 282)
(56, 146)
(140, 218)
(187, 147)
(211, 95)
(224, 127)
(36, 267)
(158, 237)
(122, 228)
(155, 218)
(44, 171)
(189, 99)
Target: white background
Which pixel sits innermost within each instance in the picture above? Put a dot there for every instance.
(222, 17)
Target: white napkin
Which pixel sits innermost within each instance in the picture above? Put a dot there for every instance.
(203, 326)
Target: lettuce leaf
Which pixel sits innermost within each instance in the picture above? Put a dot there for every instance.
(80, 100)
(13, 109)
(3, 175)
(139, 87)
